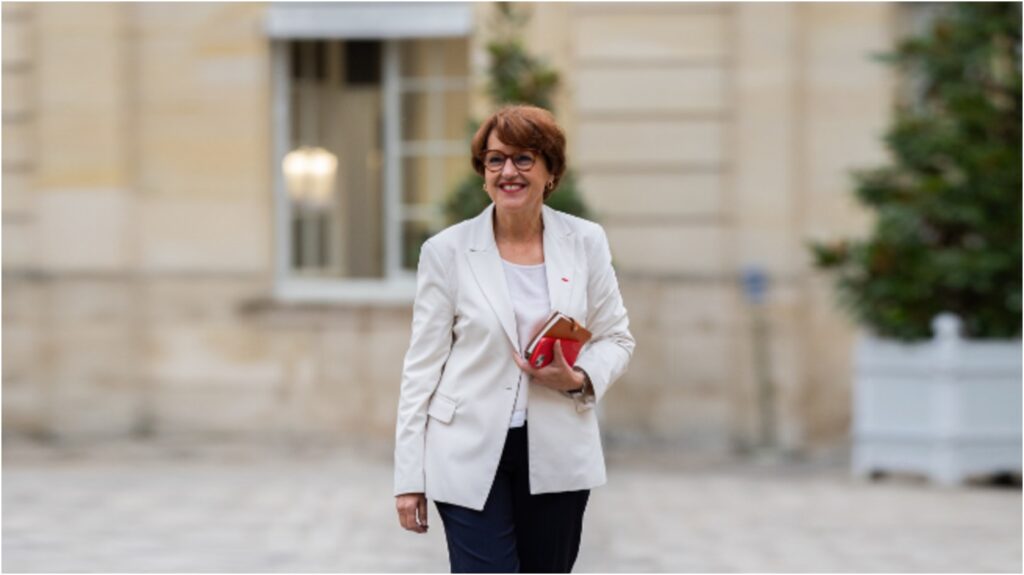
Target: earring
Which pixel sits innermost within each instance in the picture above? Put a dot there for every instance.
(484, 188)
(551, 185)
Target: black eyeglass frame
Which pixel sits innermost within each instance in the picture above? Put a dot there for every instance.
(505, 157)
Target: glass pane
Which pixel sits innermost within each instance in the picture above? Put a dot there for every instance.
(339, 227)
(456, 57)
(414, 233)
(456, 116)
(296, 239)
(415, 116)
(415, 58)
(294, 118)
(311, 237)
(419, 175)
(359, 198)
(363, 62)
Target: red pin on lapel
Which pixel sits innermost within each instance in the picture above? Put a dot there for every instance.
(566, 280)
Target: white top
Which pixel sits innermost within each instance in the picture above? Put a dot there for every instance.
(528, 288)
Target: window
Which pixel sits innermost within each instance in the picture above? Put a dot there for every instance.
(371, 136)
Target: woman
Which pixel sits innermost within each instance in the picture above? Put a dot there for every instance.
(508, 453)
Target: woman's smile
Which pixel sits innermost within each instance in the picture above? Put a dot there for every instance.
(512, 187)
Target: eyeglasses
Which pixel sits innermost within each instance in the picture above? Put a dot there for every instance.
(494, 160)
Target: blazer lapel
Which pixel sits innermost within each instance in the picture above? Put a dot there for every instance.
(485, 261)
(560, 261)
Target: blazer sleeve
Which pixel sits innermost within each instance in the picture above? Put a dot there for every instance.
(429, 347)
(606, 356)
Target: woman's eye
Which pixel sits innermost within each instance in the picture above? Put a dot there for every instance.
(523, 159)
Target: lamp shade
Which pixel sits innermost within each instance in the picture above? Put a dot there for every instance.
(309, 174)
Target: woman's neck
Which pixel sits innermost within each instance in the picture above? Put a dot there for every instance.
(517, 227)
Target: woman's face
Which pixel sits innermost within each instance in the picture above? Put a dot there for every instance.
(513, 189)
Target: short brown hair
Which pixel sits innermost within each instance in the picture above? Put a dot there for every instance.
(524, 127)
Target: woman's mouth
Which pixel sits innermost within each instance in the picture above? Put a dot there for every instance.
(511, 188)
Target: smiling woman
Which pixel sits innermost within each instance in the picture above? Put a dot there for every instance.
(508, 504)
(524, 128)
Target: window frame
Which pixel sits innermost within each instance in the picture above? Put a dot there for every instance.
(398, 286)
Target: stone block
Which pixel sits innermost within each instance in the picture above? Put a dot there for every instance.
(694, 363)
(16, 11)
(19, 253)
(99, 18)
(839, 78)
(19, 187)
(166, 70)
(75, 302)
(651, 89)
(205, 151)
(665, 194)
(213, 411)
(650, 36)
(19, 141)
(704, 308)
(80, 149)
(18, 97)
(19, 245)
(83, 358)
(683, 333)
(67, 84)
(84, 229)
(190, 20)
(224, 355)
(669, 143)
(340, 348)
(215, 235)
(777, 250)
(23, 410)
(176, 300)
(84, 414)
(388, 346)
(21, 354)
(346, 396)
(25, 301)
(696, 250)
(18, 35)
(766, 82)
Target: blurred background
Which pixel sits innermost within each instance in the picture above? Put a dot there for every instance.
(212, 214)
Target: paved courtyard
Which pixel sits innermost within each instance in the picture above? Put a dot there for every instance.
(140, 508)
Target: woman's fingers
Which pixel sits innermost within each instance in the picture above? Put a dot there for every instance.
(408, 506)
(559, 356)
(523, 364)
(422, 511)
(556, 375)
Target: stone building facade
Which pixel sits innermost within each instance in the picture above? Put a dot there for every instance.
(149, 276)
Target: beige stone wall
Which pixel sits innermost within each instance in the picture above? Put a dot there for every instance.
(137, 220)
(714, 137)
(138, 252)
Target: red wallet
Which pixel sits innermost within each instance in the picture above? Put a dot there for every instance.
(558, 327)
(544, 353)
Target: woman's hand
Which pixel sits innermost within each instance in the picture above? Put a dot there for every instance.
(412, 511)
(557, 375)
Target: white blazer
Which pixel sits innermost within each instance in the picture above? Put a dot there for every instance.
(459, 380)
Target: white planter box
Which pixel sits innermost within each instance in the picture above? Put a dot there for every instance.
(948, 408)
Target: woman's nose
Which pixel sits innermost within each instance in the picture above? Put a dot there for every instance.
(509, 168)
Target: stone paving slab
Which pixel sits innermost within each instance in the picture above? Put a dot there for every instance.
(140, 508)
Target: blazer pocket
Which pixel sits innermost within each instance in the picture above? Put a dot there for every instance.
(442, 408)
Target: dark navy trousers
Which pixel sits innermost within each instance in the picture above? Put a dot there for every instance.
(515, 532)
